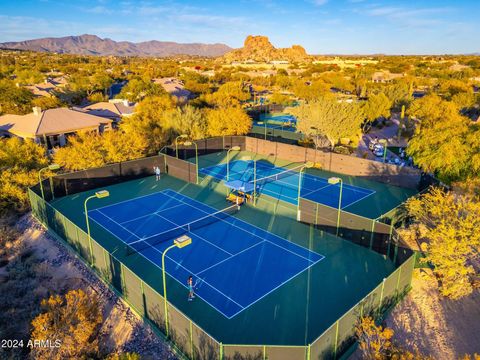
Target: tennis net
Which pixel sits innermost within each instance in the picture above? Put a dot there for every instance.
(171, 234)
(278, 176)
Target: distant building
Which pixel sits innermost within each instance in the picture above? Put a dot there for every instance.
(51, 127)
(174, 87)
(385, 76)
(48, 87)
(279, 62)
(114, 109)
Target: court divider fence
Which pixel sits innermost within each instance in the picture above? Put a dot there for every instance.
(185, 335)
(406, 177)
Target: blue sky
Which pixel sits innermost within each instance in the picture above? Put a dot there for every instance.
(321, 26)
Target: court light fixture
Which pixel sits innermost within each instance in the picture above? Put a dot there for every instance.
(180, 243)
(233, 148)
(307, 165)
(102, 194)
(98, 195)
(333, 181)
(182, 136)
(190, 143)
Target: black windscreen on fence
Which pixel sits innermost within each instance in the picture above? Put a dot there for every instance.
(79, 181)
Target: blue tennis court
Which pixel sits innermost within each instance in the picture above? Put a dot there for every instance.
(282, 183)
(234, 264)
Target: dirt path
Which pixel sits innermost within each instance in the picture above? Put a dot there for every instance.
(122, 331)
(436, 326)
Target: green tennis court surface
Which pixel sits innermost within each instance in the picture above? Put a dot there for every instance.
(362, 196)
(295, 313)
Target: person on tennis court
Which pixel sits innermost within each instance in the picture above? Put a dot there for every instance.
(156, 169)
(191, 293)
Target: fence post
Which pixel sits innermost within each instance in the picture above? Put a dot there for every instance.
(308, 351)
(191, 339)
(398, 280)
(264, 352)
(221, 351)
(336, 341)
(372, 233)
(381, 294)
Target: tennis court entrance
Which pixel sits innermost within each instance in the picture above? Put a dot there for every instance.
(234, 264)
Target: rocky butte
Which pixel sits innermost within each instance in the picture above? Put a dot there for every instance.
(259, 49)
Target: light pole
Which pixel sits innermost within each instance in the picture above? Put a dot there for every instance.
(307, 165)
(180, 242)
(384, 143)
(264, 123)
(234, 148)
(99, 195)
(316, 143)
(183, 136)
(190, 143)
(334, 181)
(49, 167)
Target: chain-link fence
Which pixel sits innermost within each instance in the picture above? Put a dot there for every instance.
(187, 336)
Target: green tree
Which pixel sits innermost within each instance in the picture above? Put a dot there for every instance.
(399, 93)
(377, 106)
(138, 89)
(329, 118)
(150, 122)
(29, 77)
(20, 161)
(88, 149)
(449, 226)
(187, 120)
(73, 320)
(443, 141)
(229, 94)
(228, 121)
(13, 99)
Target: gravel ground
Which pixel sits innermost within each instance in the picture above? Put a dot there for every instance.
(122, 330)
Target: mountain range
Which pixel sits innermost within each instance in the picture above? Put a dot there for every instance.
(93, 45)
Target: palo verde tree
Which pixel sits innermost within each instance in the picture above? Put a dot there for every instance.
(449, 226)
(445, 142)
(327, 117)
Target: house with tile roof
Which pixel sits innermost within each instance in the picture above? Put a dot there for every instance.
(114, 109)
(51, 127)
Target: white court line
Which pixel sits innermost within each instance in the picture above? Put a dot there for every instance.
(280, 285)
(174, 278)
(150, 214)
(238, 227)
(123, 227)
(128, 200)
(321, 257)
(201, 237)
(220, 262)
(358, 200)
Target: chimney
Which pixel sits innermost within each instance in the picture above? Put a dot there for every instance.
(125, 102)
(37, 110)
